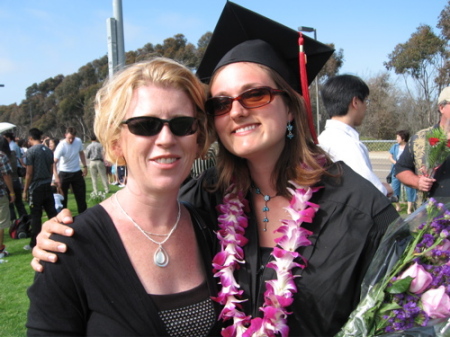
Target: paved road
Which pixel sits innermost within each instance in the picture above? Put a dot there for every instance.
(380, 164)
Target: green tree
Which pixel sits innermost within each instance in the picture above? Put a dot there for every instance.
(101, 68)
(333, 64)
(381, 119)
(443, 79)
(88, 107)
(178, 49)
(141, 54)
(420, 59)
(330, 69)
(71, 104)
(39, 102)
(202, 44)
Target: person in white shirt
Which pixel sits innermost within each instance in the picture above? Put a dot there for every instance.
(345, 100)
(68, 154)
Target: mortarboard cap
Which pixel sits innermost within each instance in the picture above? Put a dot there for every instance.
(242, 35)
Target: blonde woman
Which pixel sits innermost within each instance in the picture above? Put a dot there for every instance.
(139, 264)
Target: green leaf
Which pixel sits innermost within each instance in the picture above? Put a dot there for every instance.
(380, 325)
(400, 286)
(388, 307)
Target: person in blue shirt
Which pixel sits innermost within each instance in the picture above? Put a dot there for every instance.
(395, 152)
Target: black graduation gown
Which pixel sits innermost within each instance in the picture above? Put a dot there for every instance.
(347, 229)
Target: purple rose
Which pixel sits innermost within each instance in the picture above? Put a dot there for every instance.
(436, 303)
(421, 278)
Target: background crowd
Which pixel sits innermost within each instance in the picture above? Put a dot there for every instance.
(42, 171)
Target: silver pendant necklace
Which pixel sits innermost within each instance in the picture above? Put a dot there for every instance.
(160, 258)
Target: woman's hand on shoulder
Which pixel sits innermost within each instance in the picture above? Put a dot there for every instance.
(44, 245)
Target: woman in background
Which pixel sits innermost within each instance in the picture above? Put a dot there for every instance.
(402, 137)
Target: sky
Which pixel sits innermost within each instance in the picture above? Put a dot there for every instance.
(41, 39)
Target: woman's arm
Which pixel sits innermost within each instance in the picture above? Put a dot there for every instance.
(191, 192)
(391, 158)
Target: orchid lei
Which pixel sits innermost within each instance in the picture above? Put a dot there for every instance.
(278, 295)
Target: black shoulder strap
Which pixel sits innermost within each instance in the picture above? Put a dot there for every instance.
(208, 250)
(199, 224)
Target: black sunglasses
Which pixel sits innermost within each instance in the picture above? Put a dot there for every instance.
(150, 126)
(249, 99)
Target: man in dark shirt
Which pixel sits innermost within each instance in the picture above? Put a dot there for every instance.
(37, 189)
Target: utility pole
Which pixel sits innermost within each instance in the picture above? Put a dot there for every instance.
(116, 44)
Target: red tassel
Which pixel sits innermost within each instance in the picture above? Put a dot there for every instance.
(304, 87)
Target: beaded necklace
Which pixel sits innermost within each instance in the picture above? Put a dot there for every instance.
(265, 209)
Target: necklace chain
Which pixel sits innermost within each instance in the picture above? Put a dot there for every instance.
(161, 258)
(154, 234)
(265, 209)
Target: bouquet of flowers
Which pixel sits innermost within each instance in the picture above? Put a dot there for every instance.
(406, 290)
(437, 149)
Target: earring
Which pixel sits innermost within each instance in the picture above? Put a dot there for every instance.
(289, 127)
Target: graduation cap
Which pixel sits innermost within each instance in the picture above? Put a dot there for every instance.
(242, 35)
(237, 26)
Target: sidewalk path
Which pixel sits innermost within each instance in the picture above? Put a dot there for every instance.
(380, 164)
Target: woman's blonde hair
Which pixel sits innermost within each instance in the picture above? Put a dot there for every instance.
(301, 160)
(114, 98)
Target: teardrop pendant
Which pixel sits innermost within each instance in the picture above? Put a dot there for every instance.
(160, 258)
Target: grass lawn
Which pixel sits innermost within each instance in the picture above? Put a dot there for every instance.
(16, 276)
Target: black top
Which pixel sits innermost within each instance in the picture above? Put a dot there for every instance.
(347, 229)
(94, 290)
(41, 158)
(188, 313)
